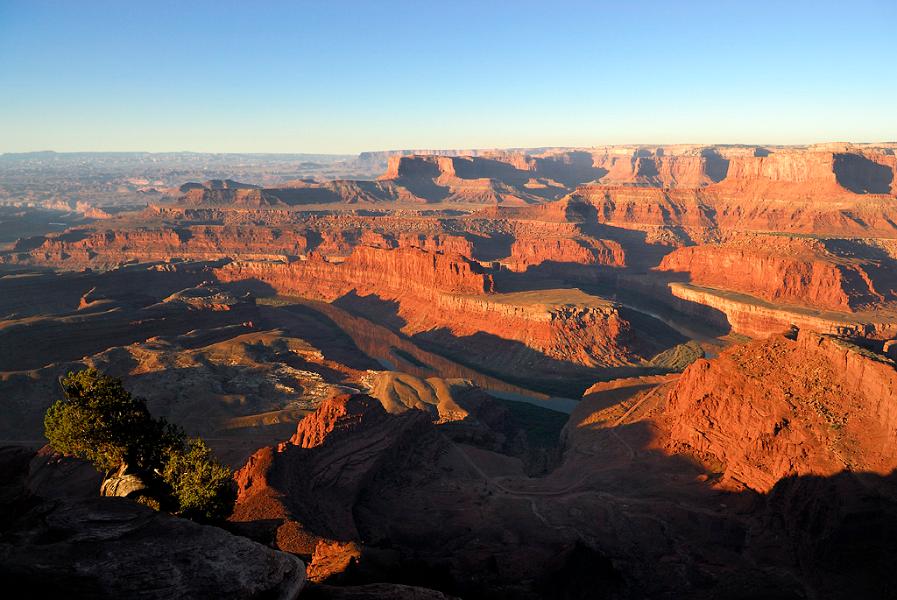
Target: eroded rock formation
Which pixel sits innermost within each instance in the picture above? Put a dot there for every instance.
(781, 408)
(306, 489)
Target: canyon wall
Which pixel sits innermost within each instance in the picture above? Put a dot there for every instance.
(815, 191)
(398, 271)
(780, 270)
(662, 171)
(205, 242)
(702, 214)
(527, 253)
(760, 319)
(817, 175)
(518, 177)
(680, 209)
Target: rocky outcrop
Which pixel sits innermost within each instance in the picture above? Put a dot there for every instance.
(755, 436)
(352, 472)
(123, 485)
(422, 166)
(298, 194)
(652, 210)
(734, 175)
(463, 412)
(208, 297)
(409, 267)
(91, 547)
(753, 172)
(505, 166)
(216, 185)
(575, 328)
(819, 175)
(867, 173)
(441, 509)
(448, 298)
(768, 410)
(400, 392)
(496, 178)
(444, 244)
(656, 168)
(846, 192)
(307, 488)
(671, 196)
(227, 193)
(705, 212)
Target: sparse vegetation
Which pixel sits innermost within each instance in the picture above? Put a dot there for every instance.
(101, 422)
(853, 347)
(202, 486)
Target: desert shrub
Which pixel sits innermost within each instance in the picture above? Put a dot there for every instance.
(202, 486)
(101, 422)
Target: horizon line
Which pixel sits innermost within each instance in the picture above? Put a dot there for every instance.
(464, 149)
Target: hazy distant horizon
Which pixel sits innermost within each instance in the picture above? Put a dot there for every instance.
(458, 148)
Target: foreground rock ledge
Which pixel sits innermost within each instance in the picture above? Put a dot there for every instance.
(115, 548)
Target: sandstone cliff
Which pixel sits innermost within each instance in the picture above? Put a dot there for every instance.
(784, 270)
(398, 271)
(306, 488)
(527, 253)
(664, 503)
(810, 174)
(107, 248)
(791, 190)
(778, 408)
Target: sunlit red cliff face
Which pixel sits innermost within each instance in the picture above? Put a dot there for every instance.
(816, 405)
(653, 371)
(797, 271)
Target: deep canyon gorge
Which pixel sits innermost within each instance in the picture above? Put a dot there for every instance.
(611, 372)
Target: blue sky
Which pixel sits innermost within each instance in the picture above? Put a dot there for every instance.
(341, 76)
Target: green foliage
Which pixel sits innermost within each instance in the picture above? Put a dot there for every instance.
(202, 486)
(99, 421)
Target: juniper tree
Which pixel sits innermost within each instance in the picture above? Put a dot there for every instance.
(98, 420)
